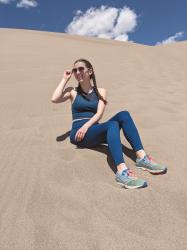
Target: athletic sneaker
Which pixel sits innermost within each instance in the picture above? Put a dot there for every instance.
(149, 165)
(124, 179)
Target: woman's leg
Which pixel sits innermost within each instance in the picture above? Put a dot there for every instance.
(110, 132)
(107, 132)
(129, 130)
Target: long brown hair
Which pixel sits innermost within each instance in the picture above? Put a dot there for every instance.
(89, 66)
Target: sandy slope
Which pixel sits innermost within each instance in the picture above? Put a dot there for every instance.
(55, 196)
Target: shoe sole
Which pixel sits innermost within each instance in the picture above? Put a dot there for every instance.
(152, 171)
(129, 187)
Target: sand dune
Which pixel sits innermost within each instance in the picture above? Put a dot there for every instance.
(56, 196)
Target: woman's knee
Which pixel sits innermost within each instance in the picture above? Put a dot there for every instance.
(124, 114)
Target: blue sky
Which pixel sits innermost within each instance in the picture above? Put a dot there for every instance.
(147, 22)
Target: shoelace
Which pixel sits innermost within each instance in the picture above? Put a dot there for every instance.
(129, 172)
(150, 157)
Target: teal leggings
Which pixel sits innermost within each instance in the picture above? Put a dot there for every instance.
(109, 133)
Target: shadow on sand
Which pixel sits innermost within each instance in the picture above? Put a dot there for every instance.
(103, 148)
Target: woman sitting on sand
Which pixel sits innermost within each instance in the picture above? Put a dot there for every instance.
(88, 105)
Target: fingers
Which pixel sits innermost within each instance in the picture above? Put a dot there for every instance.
(68, 72)
(79, 136)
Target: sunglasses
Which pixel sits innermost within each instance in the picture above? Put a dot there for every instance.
(81, 69)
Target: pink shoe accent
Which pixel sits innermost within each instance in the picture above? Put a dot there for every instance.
(131, 173)
(150, 157)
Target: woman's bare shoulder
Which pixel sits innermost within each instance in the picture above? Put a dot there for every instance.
(73, 93)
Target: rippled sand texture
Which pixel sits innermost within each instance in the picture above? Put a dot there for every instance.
(56, 196)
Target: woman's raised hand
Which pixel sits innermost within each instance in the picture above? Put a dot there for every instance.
(67, 75)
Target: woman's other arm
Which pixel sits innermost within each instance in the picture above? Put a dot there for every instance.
(100, 109)
(61, 94)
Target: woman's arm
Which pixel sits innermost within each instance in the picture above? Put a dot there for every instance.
(61, 95)
(100, 109)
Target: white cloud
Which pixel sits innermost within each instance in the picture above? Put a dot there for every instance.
(78, 12)
(5, 1)
(22, 3)
(172, 39)
(26, 4)
(104, 22)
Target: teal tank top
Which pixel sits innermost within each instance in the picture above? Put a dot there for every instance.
(84, 107)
